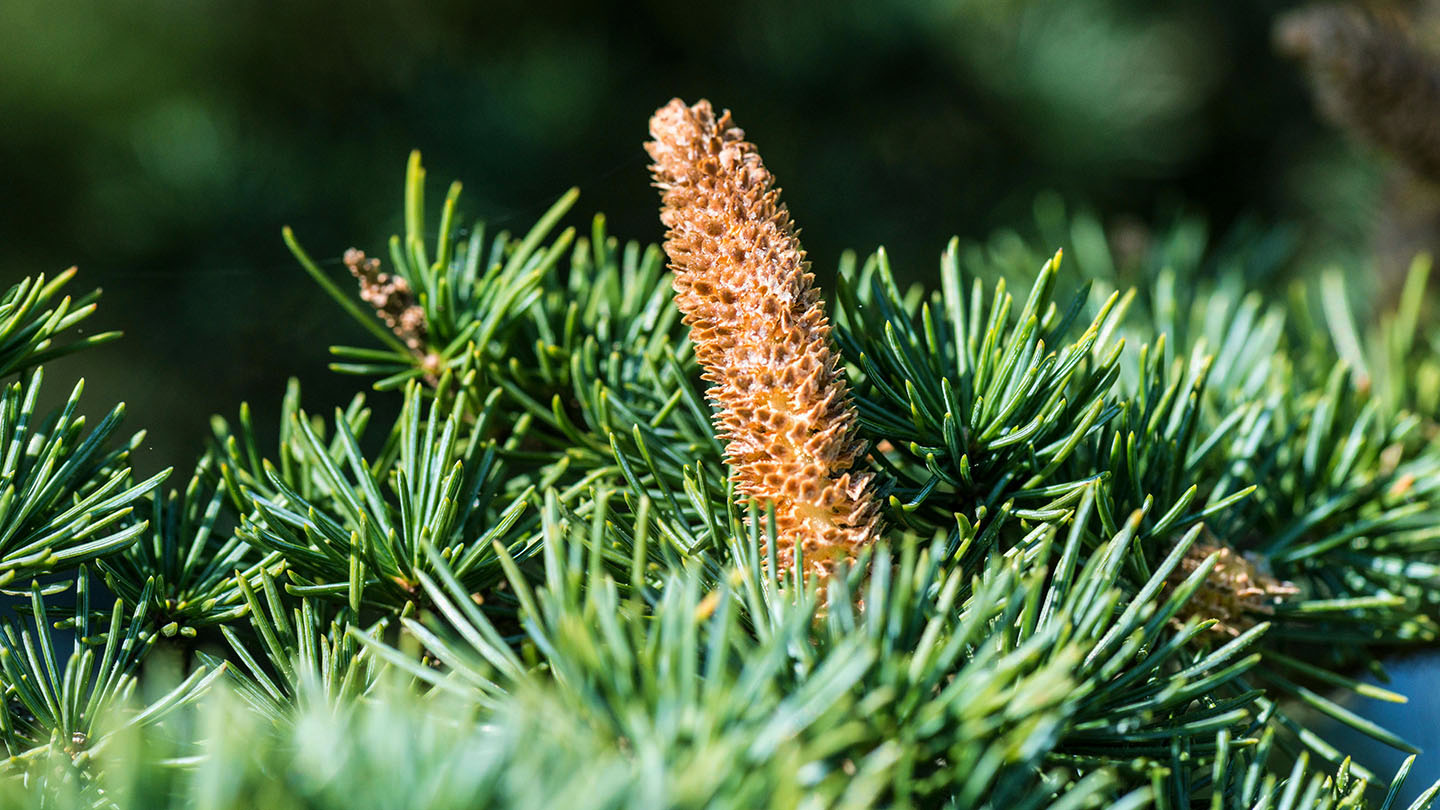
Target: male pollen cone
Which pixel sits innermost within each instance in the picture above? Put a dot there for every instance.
(760, 331)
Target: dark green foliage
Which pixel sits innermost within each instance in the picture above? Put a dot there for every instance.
(64, 496)
(307, 663)
(359, 537)
(185, 561)
(31, 319)
(987, 405)
(472, 294)
(536, 588)
(54, 708)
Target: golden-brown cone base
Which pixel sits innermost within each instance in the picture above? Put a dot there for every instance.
(1236, 591)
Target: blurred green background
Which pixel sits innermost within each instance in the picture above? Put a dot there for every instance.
(162, 145)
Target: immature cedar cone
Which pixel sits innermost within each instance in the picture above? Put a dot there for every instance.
(391, 297)
(1238, 589)
(760, 331)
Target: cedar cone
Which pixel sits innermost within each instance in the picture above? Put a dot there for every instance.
(760, 332)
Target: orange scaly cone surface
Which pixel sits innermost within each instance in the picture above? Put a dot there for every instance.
(761, 333)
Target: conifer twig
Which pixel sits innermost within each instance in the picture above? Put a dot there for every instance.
(761, 333)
